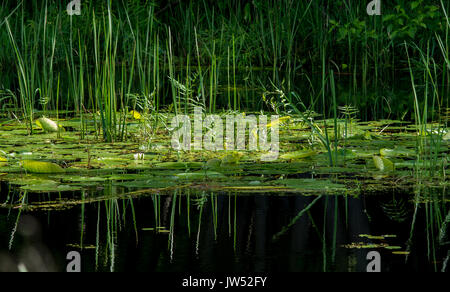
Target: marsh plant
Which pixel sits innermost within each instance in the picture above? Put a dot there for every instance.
(232, 136)
(143, 117)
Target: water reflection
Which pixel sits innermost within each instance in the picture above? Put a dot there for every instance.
(199, 231)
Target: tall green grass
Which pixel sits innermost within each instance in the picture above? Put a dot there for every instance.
(119, 51)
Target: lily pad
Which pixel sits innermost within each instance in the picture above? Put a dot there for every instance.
(396, 152)
(213, 164)
(200, 175)
(50, 187)
(309, 184)
(298, 155)
(401, 252)
(81, 179)
(383, 164)
(179, 165)
(231, 159)
(146, 184)
(41, 167)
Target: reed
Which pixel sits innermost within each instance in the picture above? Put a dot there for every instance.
(119, 49)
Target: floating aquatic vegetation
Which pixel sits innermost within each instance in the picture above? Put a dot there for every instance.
(143, 184)
(383, 164)
(226, 163)
(363, 245)
(200, 175)
(401, 252)
(231, 159)
(50, 187)
(213, 164)
(158, 229)
(298, 155)
(309, 184)
(398, 152)
(80, 179)
(377, 237)
(41, 167)
(91, 162)
(84, 246)
(179, 165)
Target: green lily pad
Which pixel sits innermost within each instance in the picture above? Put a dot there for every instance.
(81, 179)
(309, 184)
(298, 155)
(393, 247)
(41, 167)
(179, 165)
(147, 184)
(51, 187)
(231, 159)
(212, 164)
(397, 152)
(383, 164)
(200, 175)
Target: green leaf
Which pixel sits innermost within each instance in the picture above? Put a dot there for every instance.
(50, 188)
(41, 167)
(389, 17)
(399, 152)
(200, 175)
(415, 4)
(383, 164)
(298, 155)
(178, 165)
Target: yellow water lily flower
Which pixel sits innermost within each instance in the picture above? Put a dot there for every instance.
(136, 115)
(272, 124)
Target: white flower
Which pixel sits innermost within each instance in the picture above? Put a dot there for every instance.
(139, 156)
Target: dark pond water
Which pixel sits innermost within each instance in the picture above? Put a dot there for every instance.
(226, 232)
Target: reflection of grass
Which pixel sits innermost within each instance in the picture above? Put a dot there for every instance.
(295, 219)
(209, 215)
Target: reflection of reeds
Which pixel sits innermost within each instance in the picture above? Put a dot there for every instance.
(396, 210)
(211, 216)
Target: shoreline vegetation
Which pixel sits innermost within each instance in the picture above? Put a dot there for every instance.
(134, 58)
(361, 105)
